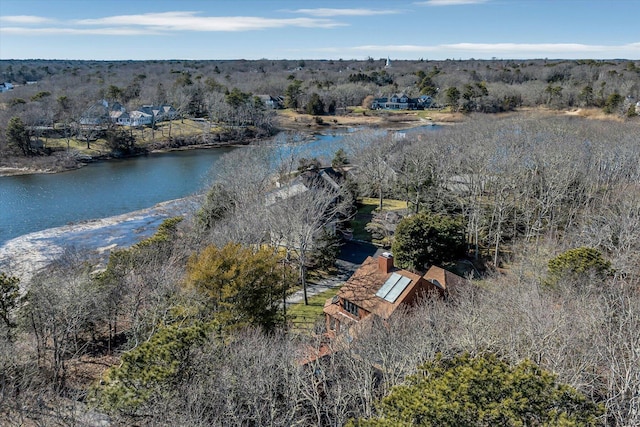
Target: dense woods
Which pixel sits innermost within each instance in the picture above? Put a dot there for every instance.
(187, 327)
(51, 97)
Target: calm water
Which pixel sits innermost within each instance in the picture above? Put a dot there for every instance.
(30, 203)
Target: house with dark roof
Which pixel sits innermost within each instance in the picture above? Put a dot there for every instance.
(307, 180)
(401, 102)
(101, 113)
(104, 112)
(378, 289)
(133, 118)
(321, 186)
(159, 113)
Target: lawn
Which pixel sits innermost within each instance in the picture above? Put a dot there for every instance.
(367, 207)
(143, 135)
(387, 204)
(304, 317)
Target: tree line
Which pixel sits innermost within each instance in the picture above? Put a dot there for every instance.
(223, 91)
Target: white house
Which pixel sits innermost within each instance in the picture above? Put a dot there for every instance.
(269, 101)
(5, 87)
(140, 118)
(159, 113)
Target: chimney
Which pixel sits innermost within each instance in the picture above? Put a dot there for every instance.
(385, 262)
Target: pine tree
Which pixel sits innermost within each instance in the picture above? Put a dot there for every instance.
(479, 391)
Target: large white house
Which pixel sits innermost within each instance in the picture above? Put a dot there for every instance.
(134, 118)
(104, 112)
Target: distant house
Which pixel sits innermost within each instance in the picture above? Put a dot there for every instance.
(5, 87)
(316, 178)
(378, 289)
(118, 116)
(274, 102)
(101, 113)
(133, 118)
(305, 183)
(159, 113)
(401, 102)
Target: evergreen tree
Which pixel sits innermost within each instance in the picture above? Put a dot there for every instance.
(18, 136)
(425, 239)
(576, 262)
(292, 93)
(315, 106)
(151, 368)
(243, 286)
(483, 391)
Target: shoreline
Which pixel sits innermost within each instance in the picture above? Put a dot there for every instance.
(23, 170)
(24, 256)
(287, 123)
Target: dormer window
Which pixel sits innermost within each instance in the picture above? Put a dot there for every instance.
(350, 307)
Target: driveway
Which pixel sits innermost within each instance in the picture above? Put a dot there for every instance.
(352, 254)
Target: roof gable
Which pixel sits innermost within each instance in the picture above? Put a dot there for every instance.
(378, 292)
(444, 280)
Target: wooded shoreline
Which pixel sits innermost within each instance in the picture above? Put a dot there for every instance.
(299, 123)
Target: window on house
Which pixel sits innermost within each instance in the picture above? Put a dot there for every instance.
(351, 307)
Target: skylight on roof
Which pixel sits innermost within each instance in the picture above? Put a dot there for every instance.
(393, 287)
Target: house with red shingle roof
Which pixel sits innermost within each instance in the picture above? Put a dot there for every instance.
(378, 288)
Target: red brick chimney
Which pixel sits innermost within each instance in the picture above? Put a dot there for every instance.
(385, 262)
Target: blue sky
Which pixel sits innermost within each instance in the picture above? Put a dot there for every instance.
(287, 29)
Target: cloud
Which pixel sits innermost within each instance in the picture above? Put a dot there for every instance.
(158, 24)
(24, 19)
(326, 12)
(449, 2)
(189, 21)
(106, 31)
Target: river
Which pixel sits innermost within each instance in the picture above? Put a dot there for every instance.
(30, 203)
(36, 202)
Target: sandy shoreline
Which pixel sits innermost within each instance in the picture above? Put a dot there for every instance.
(93, 240)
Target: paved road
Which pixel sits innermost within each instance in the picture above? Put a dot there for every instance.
(351, 256)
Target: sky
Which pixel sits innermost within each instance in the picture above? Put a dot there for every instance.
(309, 29)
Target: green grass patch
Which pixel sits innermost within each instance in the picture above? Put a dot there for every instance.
(359, 110)
(359, 232)
(367, 207)
(304, 317)
(360, 221)
(387, 204)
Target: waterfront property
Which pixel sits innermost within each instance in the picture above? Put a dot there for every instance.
(401, 102)
(105, 112)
